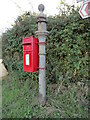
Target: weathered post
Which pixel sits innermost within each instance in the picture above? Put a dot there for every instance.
(42, 33)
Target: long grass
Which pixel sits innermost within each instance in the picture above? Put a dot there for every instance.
(20, 100)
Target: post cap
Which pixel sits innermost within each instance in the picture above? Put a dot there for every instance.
(41, 7)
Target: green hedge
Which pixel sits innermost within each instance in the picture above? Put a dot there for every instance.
(67, 47)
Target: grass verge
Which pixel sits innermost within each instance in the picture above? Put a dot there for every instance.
(20, 99)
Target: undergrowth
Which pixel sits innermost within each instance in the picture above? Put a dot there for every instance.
(20, 99)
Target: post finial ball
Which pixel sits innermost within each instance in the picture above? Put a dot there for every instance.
(41, 7)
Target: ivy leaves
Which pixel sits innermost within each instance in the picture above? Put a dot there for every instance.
(67, 45)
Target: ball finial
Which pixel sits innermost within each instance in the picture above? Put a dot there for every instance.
(41, 7)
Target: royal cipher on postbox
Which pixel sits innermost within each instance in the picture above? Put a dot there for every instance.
(30, 54)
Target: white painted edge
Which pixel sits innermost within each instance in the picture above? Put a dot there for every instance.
(81, 7)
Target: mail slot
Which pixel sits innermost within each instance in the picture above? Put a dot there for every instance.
(30, 54)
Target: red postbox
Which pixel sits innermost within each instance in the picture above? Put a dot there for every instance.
(30, 54)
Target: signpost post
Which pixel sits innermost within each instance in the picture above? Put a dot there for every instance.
(85, 10)
(79, 1)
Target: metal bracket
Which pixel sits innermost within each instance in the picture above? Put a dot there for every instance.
(42, 68)
(42, 43)
(42, 54)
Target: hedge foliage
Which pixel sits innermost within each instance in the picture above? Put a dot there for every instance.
(67, 47)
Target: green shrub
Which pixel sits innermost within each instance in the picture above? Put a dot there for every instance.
(67, 47)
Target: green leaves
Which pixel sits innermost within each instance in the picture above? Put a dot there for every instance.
(67, 46)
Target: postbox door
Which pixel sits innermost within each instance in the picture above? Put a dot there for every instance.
(30, 54)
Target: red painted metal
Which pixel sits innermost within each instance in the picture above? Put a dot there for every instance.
(30, 54)
(43, 43)
(42, 68)
(85, 10)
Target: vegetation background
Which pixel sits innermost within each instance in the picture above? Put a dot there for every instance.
(67, 72)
